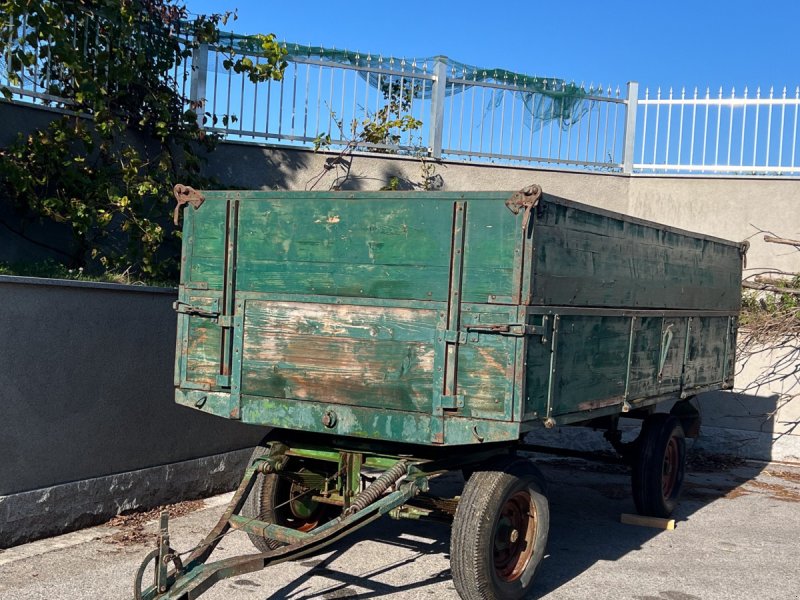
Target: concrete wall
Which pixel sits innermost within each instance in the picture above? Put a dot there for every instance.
(86, 389)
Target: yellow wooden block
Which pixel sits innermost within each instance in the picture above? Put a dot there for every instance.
(655, 522)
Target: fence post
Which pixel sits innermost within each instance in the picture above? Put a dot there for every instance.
(437, 107)
(197, 89)
(631, 104)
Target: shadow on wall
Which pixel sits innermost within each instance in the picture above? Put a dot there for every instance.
(760, 418)
(243, 166)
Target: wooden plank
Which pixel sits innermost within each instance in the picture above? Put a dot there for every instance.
(587, 259)
(380, 357)
(654, 522)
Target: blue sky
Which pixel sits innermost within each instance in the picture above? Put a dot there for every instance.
(667, 43)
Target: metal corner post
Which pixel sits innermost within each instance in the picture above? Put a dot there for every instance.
(197, 88)
(437, 107)
(630, 127)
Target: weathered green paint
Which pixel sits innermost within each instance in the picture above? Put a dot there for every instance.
(403, 313)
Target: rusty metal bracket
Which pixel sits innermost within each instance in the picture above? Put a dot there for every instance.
(525, 200)
(185, 194)
(743, 248)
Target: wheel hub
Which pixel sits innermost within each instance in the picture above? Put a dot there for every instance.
(514, 536)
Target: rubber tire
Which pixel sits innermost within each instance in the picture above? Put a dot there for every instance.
(264, 488)
(472, 537)
(657, 430)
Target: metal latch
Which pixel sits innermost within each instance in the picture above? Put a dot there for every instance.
(513, 329)
(188, 309)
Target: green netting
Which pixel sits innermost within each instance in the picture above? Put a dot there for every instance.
(545, 99)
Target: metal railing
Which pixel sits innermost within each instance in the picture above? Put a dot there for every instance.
(463, 115)
(469, 114)
(742, 135)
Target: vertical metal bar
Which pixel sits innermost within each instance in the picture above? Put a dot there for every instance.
(461, 114)
(502, 114)
(550, 128)
(437, 107)
(605, 126)
(629, 133)
(511, 127)
(452, 108)
(197, 88)
(269, 105)
(280, 109)
(560, 128)
(744, 128)
(680, 127)
(769, 125)
(597, 129)
(780, 139)
(588, 122)
(719, 123)
(755, 131)
(355, 90)
(655, 130)
(705, 126)
(541, 126)
(378, 87)
(331, 75)
(294, 94)
(491, 126)
(694, 128)
(241, 105)
(532, 121)
(616, 120)
(483, 117)
(319, 99)
(255, 100)
(228, 101)
(794, 131)
(305, 102)
(730, 126)
(669, 128)
(473, 93)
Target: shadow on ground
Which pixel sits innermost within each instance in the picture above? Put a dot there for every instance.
(586, 501)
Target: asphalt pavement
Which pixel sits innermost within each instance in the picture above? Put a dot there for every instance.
(737, 537)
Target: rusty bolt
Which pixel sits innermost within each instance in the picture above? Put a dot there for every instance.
(329, 419)
(550, 423)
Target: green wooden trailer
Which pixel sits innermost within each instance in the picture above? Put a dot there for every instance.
(389, 337)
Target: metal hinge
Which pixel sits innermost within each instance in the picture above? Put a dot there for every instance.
(526, 199)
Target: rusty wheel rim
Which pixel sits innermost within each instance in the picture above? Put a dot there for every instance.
(514, 536)
(669, 473)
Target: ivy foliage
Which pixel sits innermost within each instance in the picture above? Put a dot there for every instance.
(106, 168)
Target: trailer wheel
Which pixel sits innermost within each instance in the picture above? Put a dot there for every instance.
(277, 498)
(499, 531)
(660, 466)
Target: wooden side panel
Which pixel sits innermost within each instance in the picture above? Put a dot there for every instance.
(591, 359)
(204, 243)
(486, 365)
(645, 355)
(374, 248)
(368, 356)
(707, 351)
(588, 259)
(492, 236)
(202, 349)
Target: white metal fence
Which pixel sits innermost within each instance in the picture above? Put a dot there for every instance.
(469, 114)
